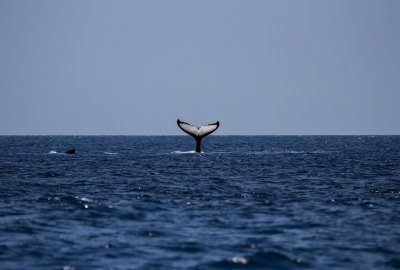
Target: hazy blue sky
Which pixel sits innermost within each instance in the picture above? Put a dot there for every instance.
(259, 67)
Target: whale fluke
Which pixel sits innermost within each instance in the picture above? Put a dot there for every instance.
(71, 152)
(198, 133)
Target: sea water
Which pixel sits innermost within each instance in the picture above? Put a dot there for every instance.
(245, 202)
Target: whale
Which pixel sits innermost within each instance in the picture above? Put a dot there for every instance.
(198, 133)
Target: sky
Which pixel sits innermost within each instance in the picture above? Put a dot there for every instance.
(259, 67)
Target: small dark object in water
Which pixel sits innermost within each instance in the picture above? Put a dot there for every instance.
(71, 151)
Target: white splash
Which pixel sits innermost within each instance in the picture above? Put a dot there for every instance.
(186, 152)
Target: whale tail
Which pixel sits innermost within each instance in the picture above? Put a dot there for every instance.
(198, 133)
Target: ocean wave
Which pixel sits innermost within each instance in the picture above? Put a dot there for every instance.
(74, 201)
(261, 260)
(284, 152)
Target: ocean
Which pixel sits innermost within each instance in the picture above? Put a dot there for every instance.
(245, 202)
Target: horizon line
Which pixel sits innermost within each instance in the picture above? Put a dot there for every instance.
(184, 135)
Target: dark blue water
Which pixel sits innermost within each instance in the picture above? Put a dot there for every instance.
(247, 202)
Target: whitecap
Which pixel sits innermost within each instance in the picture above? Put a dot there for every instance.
(239, 260)
(110, 153)
(295, 152)
(84, 199)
